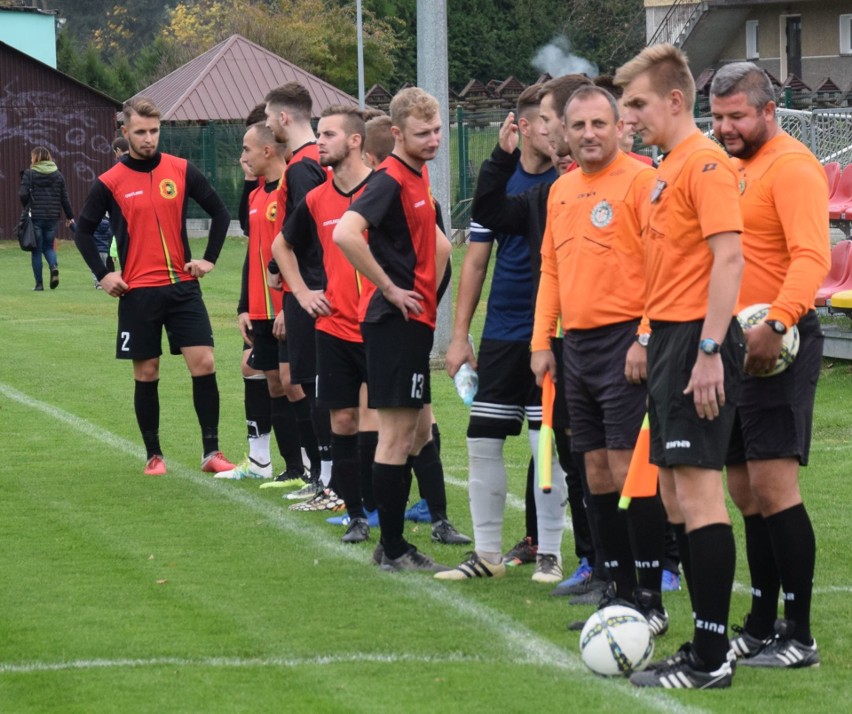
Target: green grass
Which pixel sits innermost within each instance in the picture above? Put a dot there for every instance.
(185, 594)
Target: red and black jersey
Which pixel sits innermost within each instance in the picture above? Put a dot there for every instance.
(397, 204)
(304, 173)
(147, 201)
(313, 220)
(263, 303)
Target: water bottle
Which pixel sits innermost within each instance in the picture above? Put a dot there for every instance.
(466, 379)
(467, 383)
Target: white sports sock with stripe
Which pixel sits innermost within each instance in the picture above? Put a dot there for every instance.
(550, 507)
(487, 486)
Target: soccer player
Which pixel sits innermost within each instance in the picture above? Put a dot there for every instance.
(263, 157)
(592, 263)
(398, 317)
(507, 391)
(146, 195)
(693, 266)
(786, 251)
(288, 114)
(341, 362)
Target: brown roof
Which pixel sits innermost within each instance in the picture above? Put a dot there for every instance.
(230, 79)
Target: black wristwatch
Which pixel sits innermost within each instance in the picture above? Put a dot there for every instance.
(643, 339)
(709, 346)
(777, 326)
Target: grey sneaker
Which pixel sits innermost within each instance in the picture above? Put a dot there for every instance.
(547, 569)
(444, 532)
(685, 673)
(309, 490)
(358, 531)
(783, 652)
(378, 554)
(411, 560)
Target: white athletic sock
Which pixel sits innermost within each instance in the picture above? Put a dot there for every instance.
(487, 486)
(325, 473)
(259, 449)
(550, 507)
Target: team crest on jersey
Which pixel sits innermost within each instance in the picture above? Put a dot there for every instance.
(168, 188)
(602, 214)
(271, 211)
(742, 185)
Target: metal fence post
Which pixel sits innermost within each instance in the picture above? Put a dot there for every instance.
(462, 149)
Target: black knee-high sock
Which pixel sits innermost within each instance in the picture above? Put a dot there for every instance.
(713, 556)
(302, 410)
(367, 442)
(600, 570)
(646, 523)
(530, 510)
(794, 544)
(436, 437)
(429, 471)
(765, 582)
(615, 543)
(205, 397)
(583, 544)
(671, 555)
(685, 559)
(391, 493)
(346, 472)
(286, 428)
(321, 420)
(146, 402)
(257, 403)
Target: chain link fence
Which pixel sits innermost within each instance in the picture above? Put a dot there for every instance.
(215, 149)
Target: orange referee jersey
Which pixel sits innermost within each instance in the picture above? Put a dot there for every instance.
(786, 244)
(695, 196)
(592, 264)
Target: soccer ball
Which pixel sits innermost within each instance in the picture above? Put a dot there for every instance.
(752, 316)
(616, 640)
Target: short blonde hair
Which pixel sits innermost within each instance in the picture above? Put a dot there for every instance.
(141, 106)
(412, 102)
(667, 68)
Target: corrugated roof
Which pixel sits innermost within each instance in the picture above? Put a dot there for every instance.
(229, 80)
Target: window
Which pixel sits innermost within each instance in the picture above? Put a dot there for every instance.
(846, 34)
(752, 49)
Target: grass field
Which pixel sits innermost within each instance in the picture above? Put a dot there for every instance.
(185, 594)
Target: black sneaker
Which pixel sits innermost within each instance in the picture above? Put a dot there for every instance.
(444, 532)
(521, 554)
(650, 604)
(54, 278)
(685, 673)
(378, 553)
(784, 652)
(358, 531)
(746, 645)
(411, 561)
(38, 288)
(671, 660)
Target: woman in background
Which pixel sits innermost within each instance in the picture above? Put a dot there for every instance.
(43, 190)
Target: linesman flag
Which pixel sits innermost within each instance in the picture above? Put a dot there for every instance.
(545, 439)
(642, 475)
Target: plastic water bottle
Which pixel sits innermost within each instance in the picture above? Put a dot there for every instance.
(467, 383)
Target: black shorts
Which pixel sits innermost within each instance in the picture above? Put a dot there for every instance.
(341, 370)
(144, 312)
(398, 363)
(507, 391)
(775, 414)
(264, 353)
(301, 341)
(678, 436)
(606, 410)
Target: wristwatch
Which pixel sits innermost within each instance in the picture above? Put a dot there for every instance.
(643, 339)
(709, 346)
(777, 326)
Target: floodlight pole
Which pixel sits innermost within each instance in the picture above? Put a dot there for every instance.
(360, 30)
(432, 75)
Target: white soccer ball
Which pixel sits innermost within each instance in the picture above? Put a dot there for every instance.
(616, 640)
(752, 316)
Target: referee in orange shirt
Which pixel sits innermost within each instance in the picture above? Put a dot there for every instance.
(693, 266)
(786, 250)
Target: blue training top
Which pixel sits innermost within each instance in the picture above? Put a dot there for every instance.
(509, 315)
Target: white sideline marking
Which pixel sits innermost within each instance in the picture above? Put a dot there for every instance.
(825, 590)
(523, 643)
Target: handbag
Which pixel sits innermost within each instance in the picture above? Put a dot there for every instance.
(25, 232)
